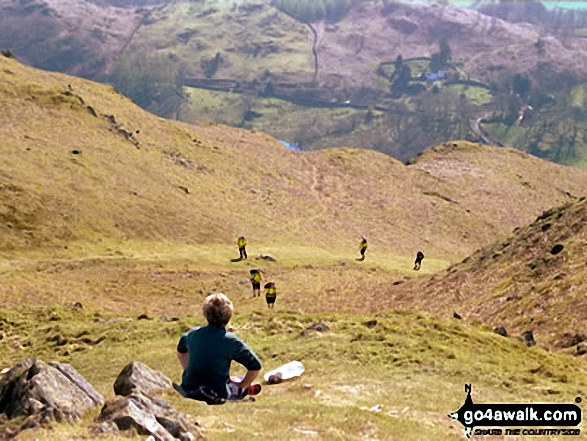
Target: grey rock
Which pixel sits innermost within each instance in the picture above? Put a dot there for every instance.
(266, 258)
(581, 348)
(528, 338)
(45, 393)
(569, 340)
(140, 377)
(74, 376)
(105, 428)
(318, 327)
(501, 331)
(148, 416)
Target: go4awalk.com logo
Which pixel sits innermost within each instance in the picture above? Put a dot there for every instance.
(524, 417)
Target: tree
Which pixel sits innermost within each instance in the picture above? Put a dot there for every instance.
(439, 59)
(146, 79)
(401, 82)
(210, 66)
(521, 84)
(399, 63)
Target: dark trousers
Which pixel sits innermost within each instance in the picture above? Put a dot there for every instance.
(243, 253)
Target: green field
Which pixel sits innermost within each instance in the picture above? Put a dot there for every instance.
(477, 96)
(578, 95)
(281, 119)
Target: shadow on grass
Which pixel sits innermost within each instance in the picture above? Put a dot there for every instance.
(238, 259)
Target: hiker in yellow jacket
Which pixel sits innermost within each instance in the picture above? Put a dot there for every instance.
(256, 277)
(363, 248)
(242, 243)
(270, 294)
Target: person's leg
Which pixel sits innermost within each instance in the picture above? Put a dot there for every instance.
(180, 389)
(234, 392)
(245, 253)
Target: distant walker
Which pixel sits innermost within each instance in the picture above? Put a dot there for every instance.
(256, 277)
(242, 244)
(363, 248)
(418, 262)
(270, 294)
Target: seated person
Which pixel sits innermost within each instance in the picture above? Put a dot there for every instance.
(205, 354)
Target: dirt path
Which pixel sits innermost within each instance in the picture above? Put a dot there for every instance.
(141, 23)
(316, 184)
(475, 125)
(315, 51)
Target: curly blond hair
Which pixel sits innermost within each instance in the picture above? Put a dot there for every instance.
(217, 309)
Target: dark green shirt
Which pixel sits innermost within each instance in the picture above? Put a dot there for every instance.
(210, 351)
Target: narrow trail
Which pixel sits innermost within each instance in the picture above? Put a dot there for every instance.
(315, 187)
(140, 25)
(475, 125)
(315, 51)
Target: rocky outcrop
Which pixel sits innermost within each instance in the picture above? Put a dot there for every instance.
(45, 392)
(148, 416)
(138, 377)
(55, 392)
(316, 327)
(134, 407)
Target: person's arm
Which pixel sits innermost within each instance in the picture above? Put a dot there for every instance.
(182, 352)
(243, 355)
(183, 359)
(248, 379)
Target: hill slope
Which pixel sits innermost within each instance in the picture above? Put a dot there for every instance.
(534, 279)
(359, 382)
(139, 243)
(187, 184)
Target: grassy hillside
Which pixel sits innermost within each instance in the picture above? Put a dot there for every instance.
(533, 279)
(78, 37)
(184, 184)
(396, 381)
(105, 204)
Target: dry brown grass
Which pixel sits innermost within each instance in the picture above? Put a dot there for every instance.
(111, 228)
(521, 282)
(239, 182)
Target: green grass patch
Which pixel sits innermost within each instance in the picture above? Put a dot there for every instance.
(578, 95)
(476, 95)
(418, 67)
(397, 380)
(279, 118)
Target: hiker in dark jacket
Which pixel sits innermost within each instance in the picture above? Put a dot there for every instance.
(205, 354)
(418, 262)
